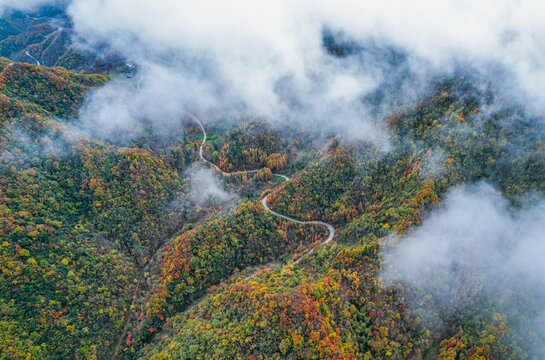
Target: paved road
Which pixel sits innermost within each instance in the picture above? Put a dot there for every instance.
(329, 227)
(32, 57)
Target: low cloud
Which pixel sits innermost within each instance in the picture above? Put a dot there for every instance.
(159, 97)
(205, 188)
(475, 246)
(269, 58)
(22, 5)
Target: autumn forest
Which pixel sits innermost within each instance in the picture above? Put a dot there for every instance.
(204, 233)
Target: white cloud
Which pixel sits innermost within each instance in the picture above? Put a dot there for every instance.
(22, 5)
(268, 58)
(206, 188)
(474, 245)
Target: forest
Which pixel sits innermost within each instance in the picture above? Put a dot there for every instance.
(47, 35)
(161, 245)
(96, 260)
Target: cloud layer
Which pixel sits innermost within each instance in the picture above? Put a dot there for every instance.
(269, 58)
(206, 189)
(475, 246)
(22, 5)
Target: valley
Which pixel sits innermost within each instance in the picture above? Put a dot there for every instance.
(269, 181)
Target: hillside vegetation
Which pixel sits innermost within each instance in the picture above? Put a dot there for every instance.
(105, 253)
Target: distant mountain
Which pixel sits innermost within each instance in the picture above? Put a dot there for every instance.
(46, 36)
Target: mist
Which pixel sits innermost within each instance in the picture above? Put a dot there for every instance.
(21, 5)
(476, 246)
(269, 59)
(205, 188)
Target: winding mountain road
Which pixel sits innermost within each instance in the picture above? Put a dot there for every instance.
(32, 57)
(329, 227)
